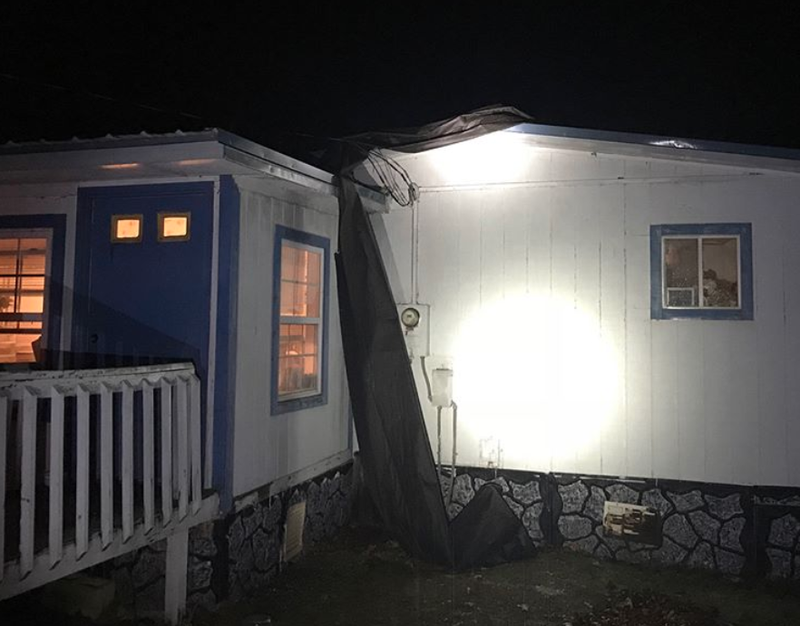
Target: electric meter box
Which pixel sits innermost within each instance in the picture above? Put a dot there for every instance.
(414, 322)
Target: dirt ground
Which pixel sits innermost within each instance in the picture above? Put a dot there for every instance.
(363, 579)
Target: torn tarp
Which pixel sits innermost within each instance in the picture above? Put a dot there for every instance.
(399, 470)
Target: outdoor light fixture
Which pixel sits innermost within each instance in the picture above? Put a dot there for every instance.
(536, 374)
(494, 158)
(194, 162)
(120, 166)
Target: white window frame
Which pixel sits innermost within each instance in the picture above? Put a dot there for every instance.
(31, 233)
(700, 304)
(305, 321)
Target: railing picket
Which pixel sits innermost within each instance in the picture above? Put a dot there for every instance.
(196, 442)
(148, 453)
(166, 451)
(127, 461)
(82, 474)
(56, 535)
(28, 489)
(3, 445)
(106, 465)
(182, 473)
(182, 389)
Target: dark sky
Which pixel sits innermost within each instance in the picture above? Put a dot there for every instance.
(289, 74)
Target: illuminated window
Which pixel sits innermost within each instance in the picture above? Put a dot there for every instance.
(173, 226)
(126, 228)
(701, 271)
(299, 350)
(23, 278)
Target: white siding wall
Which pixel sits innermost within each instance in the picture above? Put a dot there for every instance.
(267, 447)
(541, 294)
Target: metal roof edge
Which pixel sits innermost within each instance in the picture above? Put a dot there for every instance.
(263, 153)
(142, 139)
(686, 146)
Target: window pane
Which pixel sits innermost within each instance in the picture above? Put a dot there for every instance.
(287, 299)
(32, 283)
(31, 303)
(7, 301)
(300, 282)
(175, 226)
(314, 268)
(17, 348)
(33, 264)
(9, 243)
(288, 262)
(38, 244)
(297, 358)
(8, 262)
(680, 273)
(127, 228)
(313, 299)
(720, 272)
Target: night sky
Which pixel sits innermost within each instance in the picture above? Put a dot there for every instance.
(290, 75)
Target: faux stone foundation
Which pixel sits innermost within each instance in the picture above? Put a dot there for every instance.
(234, 557)
(736, 530)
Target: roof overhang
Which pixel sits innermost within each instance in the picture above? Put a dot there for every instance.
(745, 156)
(211, 152)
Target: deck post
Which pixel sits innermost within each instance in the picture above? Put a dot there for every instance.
(176, 574)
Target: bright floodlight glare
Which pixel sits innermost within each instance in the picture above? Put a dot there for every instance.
(535, 374)
(493, 158)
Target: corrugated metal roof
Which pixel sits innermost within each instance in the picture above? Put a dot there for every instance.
(109, 141)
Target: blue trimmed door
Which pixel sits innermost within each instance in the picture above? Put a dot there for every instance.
(147, 301)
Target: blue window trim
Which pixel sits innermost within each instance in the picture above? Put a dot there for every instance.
(744, 232)
(281, 233)
(57, 223)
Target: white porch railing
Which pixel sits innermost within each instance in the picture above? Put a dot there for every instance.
(94, 463)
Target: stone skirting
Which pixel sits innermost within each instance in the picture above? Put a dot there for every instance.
(736, 530)
(234, 557)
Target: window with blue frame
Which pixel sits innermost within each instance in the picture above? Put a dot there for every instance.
(299, 321)
(701, 271)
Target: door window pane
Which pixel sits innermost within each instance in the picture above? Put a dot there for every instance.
(126, 228)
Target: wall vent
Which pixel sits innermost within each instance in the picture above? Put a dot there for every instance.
(293, 531)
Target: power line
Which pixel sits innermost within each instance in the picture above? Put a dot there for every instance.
(98, 96)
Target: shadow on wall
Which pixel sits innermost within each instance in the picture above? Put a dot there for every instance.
(103, 337)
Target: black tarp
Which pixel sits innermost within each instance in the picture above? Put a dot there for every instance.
(398, 467)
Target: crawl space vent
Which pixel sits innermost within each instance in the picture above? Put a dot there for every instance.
(293, 531)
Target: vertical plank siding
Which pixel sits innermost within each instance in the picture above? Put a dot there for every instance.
(64, 414)
(268, 447)
(567, 243)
